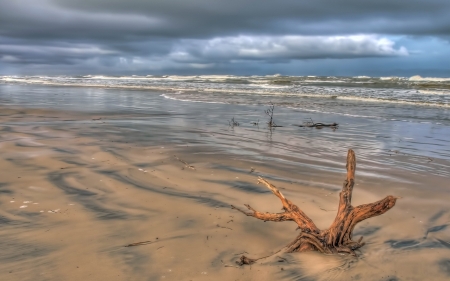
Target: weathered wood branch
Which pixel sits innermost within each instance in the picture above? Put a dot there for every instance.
(303, 221)
(285, 216)
(319, 125)
(312, 124)
(338, 237)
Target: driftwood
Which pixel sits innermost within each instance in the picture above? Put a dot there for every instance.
(319, 125)
(233, 123)
(312, 124)
(338, 237)
(269, 113)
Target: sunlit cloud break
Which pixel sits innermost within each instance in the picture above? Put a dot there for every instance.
(286, 47)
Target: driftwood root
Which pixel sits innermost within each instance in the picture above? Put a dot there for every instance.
(338, 237)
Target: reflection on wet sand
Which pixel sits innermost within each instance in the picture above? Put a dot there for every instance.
(91, 187)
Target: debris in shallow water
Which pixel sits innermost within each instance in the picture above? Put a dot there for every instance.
(233, 123)
(186, 165)
(269, 113)
(312, 124)
(23, 206)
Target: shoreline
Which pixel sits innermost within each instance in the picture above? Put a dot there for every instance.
(126, 186)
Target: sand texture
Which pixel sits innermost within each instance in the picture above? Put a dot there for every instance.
(76, 189)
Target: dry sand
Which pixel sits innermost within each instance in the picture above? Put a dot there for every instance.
(72, 196)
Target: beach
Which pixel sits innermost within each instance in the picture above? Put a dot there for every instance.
(87, 171)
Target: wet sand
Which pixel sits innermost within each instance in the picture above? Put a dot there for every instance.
(76, 188)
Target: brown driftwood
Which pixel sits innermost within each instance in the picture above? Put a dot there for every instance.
(338, 237)
(319, 125)
(312, 124)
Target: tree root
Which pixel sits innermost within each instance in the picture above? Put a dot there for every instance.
(338, 237)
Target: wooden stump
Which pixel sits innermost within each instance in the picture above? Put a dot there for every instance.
(338, 237)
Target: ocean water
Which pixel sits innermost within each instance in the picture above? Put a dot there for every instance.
(398, 121)
(413, 99)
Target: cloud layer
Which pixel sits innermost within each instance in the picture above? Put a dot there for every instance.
(271, 48)
(106, 36)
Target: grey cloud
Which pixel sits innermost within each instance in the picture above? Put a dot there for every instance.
(134, 19)
(213, 18)
(285, 47)
(158, 35)
(29, 19)
(24, 52)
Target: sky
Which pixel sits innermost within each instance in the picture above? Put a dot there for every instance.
(239, 37)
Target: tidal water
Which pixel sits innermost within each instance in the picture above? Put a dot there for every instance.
(412, 137)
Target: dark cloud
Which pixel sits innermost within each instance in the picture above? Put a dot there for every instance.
(196, 18)
(175, 35)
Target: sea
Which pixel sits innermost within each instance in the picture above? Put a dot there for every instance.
(400, 121)
(392, 98)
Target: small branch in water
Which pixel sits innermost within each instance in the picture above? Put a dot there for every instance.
(233, 123)
(312, 124)
(186, 165)
(269, 112)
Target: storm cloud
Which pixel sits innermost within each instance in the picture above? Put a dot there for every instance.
(238, 37)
